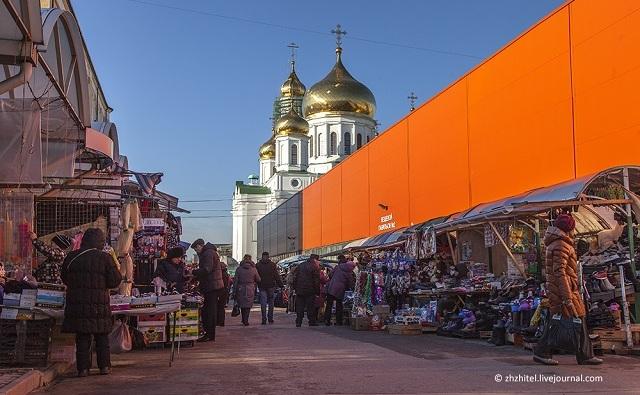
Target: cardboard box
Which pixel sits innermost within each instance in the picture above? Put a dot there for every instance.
(50, 298)
(11, 300)
(167, 299)
(63, 353)
(154, 334)
(413, 329)
(360, 323)
(28, 298)
(187, 332)
(187, 317)
(152, 319)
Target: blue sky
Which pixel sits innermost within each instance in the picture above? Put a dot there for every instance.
(192, 82)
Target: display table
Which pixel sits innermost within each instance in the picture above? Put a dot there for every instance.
(460, 295)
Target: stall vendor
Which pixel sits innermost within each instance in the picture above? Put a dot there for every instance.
(49, 270)
(171, 270)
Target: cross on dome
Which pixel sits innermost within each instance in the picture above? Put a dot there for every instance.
(339, 33)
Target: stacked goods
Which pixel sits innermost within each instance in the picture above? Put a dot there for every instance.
(187, 328)
(25, 342)
(50, 296)
(153, 327)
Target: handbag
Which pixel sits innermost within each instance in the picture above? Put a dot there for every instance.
(564, 333)
(236, 310)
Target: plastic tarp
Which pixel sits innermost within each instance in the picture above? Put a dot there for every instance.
(20, 143)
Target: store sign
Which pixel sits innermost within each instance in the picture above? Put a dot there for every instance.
(387, 222)
(153, 225)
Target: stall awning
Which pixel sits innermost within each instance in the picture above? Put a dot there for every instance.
(98, 142)
(538, 200)
(356, 243)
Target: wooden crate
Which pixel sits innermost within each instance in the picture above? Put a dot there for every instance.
(429, 329)
(360, 323)
(407, 330)
(485, 334)
(610, 334)
(613, 347)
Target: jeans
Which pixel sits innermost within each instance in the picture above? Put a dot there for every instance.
(305, 302)
(83, 350)
(266, 299)
(245, 314)
(209, 311)
(328, 308)
(584, 352)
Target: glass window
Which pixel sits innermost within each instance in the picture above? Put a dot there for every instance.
(333, 146)
(347, 143)
(294, 154)
(358, 141)
(368, 139)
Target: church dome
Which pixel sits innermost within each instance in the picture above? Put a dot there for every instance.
(291, 123)
(292, 87)
(339, 91)
(268, 149)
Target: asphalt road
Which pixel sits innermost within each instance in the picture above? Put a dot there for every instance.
(280, 358)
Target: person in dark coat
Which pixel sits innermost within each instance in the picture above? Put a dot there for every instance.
(306, 282)
(270, 279)
(209, 273)
(244, 284)
(563, 291)
(341, 279)
(171, 270)
(89, 273)
(222, 302)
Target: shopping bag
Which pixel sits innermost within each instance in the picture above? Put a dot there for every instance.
(564, 333)
(138, 339)
(120, 338)
(236, 310)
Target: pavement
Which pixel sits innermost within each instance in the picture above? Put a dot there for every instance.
(282, 359)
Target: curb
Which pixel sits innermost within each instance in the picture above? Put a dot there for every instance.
(35, 379)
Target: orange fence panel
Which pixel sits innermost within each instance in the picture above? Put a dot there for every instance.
(355, 195)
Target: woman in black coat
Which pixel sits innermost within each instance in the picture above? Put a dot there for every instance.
(89, 273)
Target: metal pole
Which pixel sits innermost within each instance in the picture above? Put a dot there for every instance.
(506, 248)
(625, 176)
(625, 308)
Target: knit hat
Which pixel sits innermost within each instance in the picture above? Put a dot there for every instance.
(565, 222)
(175, 252)
(62, 241)
(198, 242)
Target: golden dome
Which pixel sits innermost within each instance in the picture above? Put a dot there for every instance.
(339, 91)
(292, 86)
(291, 123)
(268, 149)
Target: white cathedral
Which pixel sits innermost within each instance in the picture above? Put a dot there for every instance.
(313, 130)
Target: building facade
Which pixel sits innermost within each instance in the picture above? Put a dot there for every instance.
(313, 130)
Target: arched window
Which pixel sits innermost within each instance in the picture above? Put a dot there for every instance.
(347, 143)
(321, 148)
(358, 141)
(368, 139)
(311, 147)
(294, 154)
(333, 144)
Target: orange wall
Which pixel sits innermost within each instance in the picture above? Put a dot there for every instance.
(355, 195)
(558, 102)
(388, 178)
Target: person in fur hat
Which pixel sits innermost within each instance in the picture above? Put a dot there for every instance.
(563, 290)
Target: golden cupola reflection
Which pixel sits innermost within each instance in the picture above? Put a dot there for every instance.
(292, 87)
(268, 149)
(339, 91)
(291, 123)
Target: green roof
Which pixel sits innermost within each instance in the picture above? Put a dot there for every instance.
(251, 189)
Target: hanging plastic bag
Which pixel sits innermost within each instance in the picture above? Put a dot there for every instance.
(120, 338)
(564, 333)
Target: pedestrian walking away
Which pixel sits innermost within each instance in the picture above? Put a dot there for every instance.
(565, 300)
(306, 282)
(341, 279)
(269, 280)
(245, 282)
(209, 273)
(89, 273)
